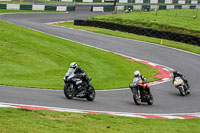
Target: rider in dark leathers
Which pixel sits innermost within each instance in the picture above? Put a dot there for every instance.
(79, 73)
(137, 74)
(177, 74)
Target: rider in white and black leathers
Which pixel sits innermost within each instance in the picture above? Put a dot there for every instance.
(177, 74)
(137, 74)
(78, 71)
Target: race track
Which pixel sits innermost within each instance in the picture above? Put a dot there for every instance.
(167, 98)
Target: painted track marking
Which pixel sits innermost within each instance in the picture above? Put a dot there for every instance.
(137, 115)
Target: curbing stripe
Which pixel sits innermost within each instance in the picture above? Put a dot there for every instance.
(31, 108)
(153, 116)
(165, 73)
(135, 115)
(172, 117)
(188, 116)
(4, 106)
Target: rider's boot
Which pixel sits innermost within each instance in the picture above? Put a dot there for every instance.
(186, 82)
(188, 91)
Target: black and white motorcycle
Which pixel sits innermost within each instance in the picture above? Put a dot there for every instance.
(181, 86)
(77, 87)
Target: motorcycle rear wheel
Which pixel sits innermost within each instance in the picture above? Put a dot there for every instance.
(150, 100)
(90, 96)
(69, 92)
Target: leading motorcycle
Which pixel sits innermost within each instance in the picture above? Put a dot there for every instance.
(140, 93)
(75, 85)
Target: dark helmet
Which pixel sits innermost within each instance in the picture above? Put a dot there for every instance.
(73, 65)
(175, 72)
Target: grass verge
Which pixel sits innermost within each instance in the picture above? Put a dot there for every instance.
(22, 120)
(178, 45)
(166, 20)
(32, 59)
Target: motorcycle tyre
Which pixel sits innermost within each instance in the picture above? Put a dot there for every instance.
(182, 91)
(90, 96)
(66, 88)
(150, 100)
(137, 100)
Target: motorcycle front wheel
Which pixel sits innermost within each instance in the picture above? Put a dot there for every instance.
(68, 91)
(137, 98)
(90, 96)
(182, 90)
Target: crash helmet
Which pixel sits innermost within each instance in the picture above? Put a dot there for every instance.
(137, 73)
(175, 72)
(73, 65)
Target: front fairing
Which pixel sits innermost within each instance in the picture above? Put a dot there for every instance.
(136, 82)
(178, 82)
(70, 74)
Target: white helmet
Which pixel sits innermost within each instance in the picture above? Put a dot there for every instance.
(136, 73)
(73, 65)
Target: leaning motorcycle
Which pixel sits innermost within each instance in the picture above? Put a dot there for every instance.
(140, 94)
(73, 86)
(181, 86)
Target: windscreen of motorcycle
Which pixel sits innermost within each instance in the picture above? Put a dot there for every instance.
(70, 73)
(136, 81)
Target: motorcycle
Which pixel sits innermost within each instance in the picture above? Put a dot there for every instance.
(140, 93)
(181, 86)
(74, 85)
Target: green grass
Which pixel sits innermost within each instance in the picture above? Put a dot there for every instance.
(21, 120)
(33, 59)
(16, 11)
(182, 46)
(165, 20)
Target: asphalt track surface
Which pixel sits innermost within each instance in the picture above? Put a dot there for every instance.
(167, 98)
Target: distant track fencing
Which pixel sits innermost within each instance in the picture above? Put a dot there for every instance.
(106, 8)
(189, 39)
(37, 7)
(145, 2)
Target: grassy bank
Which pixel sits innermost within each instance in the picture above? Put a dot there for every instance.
(165, 20)
(20, 120)
(182, 46)
(32, 59)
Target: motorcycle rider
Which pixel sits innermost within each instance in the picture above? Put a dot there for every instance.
(177, 74)
(138, 75)
(79, 73)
